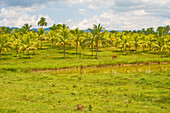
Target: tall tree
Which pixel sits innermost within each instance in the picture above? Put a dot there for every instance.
(64, 36)
(55, 27)
(42, 22)
(4, 43)
(5, 30)
(166, 29)
(52, 35)
(160, 43)
(99, 33)
(136, 39)
(41, 34)
(27, 27)
(160, 30)
(16, 42)
(29, 43)
(77, 34)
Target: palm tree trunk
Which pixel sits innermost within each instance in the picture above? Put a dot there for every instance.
(17, 52)
(92, 50)
(41, 43)
(160, 51)
(96, 49)
(136, 47)
(0, 53)
(52, 42)
(48, 52)
(162, 54)
(76, 47)
(33, 51)
(28, 54)
(150, 47)
(80, 54)
(64, 50)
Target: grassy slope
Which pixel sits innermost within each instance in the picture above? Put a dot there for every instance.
(51, 92)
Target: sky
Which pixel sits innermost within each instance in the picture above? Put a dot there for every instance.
(112, 14)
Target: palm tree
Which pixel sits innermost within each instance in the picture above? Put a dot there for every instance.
(150, 40)
(29, 43)
(125, 42)
(64, 36)
(160, 30)
(166, 29)
(5, 30)
(16, 43)
(55, 27)
(27, 27)
(136, 39)
(91, 40)
(77, 34)
(42, 22)
(97, 30)
(16, 30)
(4, 43)
(168, 42)
(41, 34)
(150, 31)
(160, 43)
(52, 35)
(143, 42)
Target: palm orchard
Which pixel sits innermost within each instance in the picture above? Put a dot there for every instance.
(19, 41)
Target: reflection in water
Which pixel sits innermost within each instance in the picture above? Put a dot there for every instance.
(160, 68)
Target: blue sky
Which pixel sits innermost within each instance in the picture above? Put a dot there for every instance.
(112, 14)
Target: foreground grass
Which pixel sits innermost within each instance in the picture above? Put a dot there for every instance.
(52, 92)
(22, 90)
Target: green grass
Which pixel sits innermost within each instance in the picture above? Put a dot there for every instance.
(28, 91)
(52, 92)
(55, 60)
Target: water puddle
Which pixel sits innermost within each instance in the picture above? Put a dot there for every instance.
(159, 68)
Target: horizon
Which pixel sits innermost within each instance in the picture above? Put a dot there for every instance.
(32, 28)
(112, 14)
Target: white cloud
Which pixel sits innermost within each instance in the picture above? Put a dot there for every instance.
(24, 3)
(18, 16)
(158, 8)
(94, 7)
(92, 4)
(123, 21)
(81, 11)
(119, 14)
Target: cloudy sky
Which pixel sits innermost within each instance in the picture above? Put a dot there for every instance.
(112, 14)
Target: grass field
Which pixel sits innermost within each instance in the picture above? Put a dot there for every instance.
(52, 92)
(55, 59)
(28, 91)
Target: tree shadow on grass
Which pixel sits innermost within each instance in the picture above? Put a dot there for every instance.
(118, 51)
(62, 58)
(9, 69)
(157, 53)
(6, 54)
(4, 59)
(68, 53)
(24, 57)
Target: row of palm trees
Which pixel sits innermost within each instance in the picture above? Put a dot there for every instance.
(60, 35)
